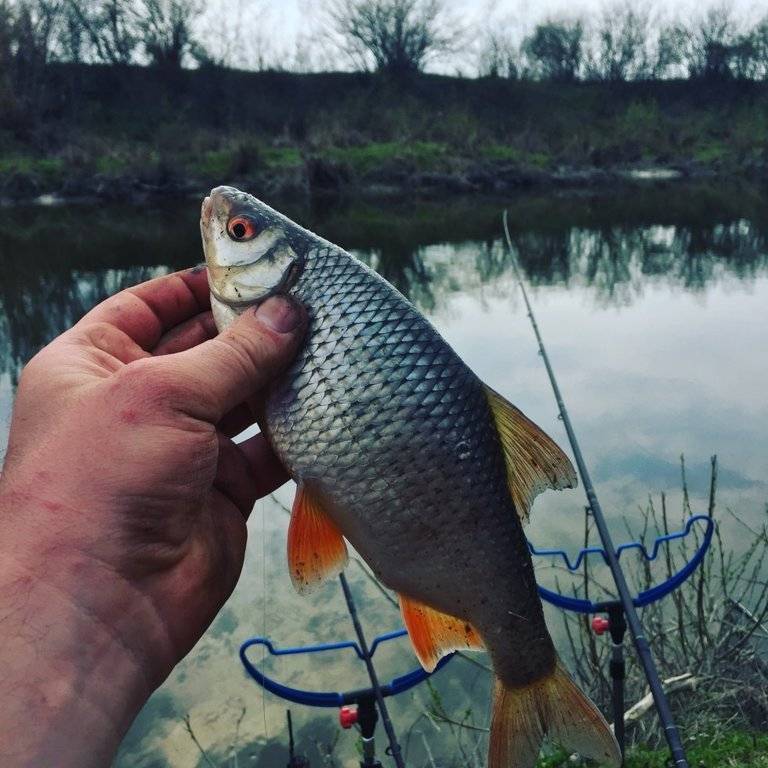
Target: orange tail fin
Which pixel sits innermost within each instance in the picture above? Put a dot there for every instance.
(553, 707)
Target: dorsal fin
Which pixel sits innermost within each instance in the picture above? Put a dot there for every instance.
(534, 461)
(434, 634)
(316, 549)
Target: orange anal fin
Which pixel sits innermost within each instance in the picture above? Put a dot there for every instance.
(316, 549)
(434, 634)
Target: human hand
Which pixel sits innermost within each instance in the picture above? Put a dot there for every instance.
(123, 503)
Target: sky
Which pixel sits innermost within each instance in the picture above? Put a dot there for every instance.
(290, 30)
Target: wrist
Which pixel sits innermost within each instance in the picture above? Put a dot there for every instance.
(70, 665)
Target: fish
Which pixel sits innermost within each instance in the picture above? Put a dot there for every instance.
(398, 448)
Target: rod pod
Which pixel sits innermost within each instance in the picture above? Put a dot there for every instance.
(368, 742)
(625, 597)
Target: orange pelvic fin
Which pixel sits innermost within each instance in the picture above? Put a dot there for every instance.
(554, 707)
(534, 461)
(316, 549)
(434, 634)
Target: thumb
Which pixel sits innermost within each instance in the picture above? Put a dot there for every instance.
(243, 359)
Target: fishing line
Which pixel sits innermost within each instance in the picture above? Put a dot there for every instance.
(635, 627)
(262, 506)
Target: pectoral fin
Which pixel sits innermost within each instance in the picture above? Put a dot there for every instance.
(534, 461)
(434, 634)
(316, 549)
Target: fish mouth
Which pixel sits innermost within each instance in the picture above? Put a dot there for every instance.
(218, 202)
(206, 211)
(287, 282)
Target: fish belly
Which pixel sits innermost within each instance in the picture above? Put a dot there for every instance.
(384, 422)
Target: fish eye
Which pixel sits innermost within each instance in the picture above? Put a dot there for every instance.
(241, 228)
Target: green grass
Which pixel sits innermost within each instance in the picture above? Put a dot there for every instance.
(735, 750)
(281, 157)
(111, 165)
(711, 152)
(242, 157)
(511, 154)
(739, 749)
(369, 123)
(425, 155)
(46, 167)
(214, 164)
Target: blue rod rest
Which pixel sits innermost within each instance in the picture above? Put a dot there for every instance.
(646, 597)
(329, 698)
(403, 683)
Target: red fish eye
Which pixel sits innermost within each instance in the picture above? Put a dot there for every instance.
(240, 228)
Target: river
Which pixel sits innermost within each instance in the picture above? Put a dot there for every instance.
(653, 302)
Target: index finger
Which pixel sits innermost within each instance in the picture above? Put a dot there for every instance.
(146, 311)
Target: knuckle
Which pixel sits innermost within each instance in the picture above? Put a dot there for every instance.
(34, 366)
(250, 352)
(146, 385)
(98, 332)
(36, 373)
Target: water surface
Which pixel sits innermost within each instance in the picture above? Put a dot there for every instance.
(653, 303)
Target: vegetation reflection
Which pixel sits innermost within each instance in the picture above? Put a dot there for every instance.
(59, 262)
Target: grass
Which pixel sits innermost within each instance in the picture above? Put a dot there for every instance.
(739, 749)
(242, 158)
(734, 750)
(425, 155)
(370, 125)
(47, 167)
(711, 152)
(511, 154)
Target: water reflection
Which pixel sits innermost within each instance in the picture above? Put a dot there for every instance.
(59, 262)
(653, 303)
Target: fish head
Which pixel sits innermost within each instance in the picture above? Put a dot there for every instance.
(249, 252)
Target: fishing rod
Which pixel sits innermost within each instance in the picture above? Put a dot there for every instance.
(394, 746)
(633, 621)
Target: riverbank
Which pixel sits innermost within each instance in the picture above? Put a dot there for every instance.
(132, 133)
(335, 174)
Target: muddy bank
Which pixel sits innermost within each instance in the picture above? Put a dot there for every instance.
(320, 176)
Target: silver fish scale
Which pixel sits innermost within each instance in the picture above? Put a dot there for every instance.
(385, 423)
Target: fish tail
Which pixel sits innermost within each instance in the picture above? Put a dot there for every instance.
(555, 707)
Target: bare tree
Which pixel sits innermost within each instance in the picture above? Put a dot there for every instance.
(708, 45)
(6, 34)
(109, 26)
(749, 53)
(33, 35)
(73, 42)
(669, 58)
(7, 99)
(396, 36)
(743, 57)
(623, 43)
(498, 56)
(240, 34)
(165, 27)
(556, 50)
(759, 37)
